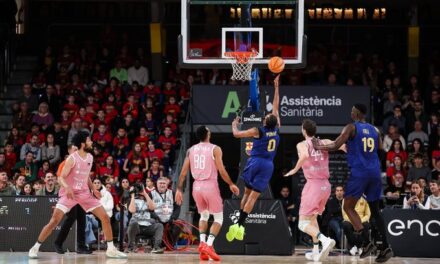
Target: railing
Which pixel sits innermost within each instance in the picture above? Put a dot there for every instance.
(7, 56)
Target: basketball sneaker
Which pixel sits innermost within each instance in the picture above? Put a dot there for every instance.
(327, 246)
(240, 233)
(209, 250)
(367, 250)
(33, 253)
(384, 255)
(310, 256)
(230, 235)
(114, 253)
(202, 255)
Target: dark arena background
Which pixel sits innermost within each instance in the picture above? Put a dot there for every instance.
(141, 76)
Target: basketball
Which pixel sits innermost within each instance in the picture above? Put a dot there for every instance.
(276, 64)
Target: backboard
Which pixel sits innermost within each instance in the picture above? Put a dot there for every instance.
(212, 28)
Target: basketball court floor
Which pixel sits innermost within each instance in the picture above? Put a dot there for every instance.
(189, 257)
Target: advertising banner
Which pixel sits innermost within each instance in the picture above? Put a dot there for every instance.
(21, 220)
(217, 105)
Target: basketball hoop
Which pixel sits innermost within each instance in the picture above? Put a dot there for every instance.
(241, 62)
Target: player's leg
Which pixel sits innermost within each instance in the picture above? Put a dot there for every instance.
(65, 228)
(215, 207)
(56, 218)
(202, 208)
(247, 192)
(100, 213)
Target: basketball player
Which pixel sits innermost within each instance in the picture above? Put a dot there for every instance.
(204, 159)
(363, 143)
(259, 166)
(76, 188)
(316, 191)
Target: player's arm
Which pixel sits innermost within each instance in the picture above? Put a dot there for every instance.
(302, 157)
(379, 139)
(346, 133)
(68, 165)
(276, 99)
(218, 158)
(251, 132)
(328, 141)
(182, 177)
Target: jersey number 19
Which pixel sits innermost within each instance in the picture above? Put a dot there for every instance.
(368, 144)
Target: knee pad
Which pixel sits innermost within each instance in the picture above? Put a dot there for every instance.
(218, 218)
(204, 216)
(302, 224)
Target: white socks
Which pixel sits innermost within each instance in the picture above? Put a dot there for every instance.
(322, 238)
(37, 246)
(202, 237)
(110, 245)
(211, 238)
(315, 250)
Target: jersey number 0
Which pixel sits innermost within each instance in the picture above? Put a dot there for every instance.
(271, 145)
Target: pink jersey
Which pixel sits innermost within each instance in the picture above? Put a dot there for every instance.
(201, 160)
(316, 165)
(79, 174)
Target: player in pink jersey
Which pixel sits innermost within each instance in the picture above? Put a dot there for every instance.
(77, 188)
(316, 191)
(204, 160)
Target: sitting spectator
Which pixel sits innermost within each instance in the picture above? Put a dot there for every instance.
(23, 119)
(71, 106)
(435, 196)
(102, 137)
(393, 134)
(363, 210)
(130, 126)
(32, 147)
(172, 107)
(29, 98)
(390, 103)
(155, 172)
(35, 131)
(168, 143)
(418, 133)
(142, 221)
(436, 171)
(395, 191)
(27, 190)
(418, 170)
(119, 73)
(37, 185)
(415, 114)
(130, 107)
(433, 123)
(16, 139)
(45, 168)
(416, 199)
(50, 151)
(150, 124)
(424, 185)
(397, 149)
(19, 183)
(27, 167)
(135, 175)
(10, 157)
(49, 187)
(5, 188)
(397, 120)
(417, 147)
(43, 118)
(169, 122)
(152, 91)
(121, 139)
(154, 153)
(289, 206)
(137, 73)
(334, 210)
(149, 185)
(143, 138)
(397, 167)
(110, 170)
(136, 157)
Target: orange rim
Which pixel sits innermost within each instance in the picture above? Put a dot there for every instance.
(241, 56)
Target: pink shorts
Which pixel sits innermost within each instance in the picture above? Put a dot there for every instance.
(207, 196)
(314, 197)
(85, 199)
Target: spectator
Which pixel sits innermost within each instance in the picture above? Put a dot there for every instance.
(27, 190)
(150, 124)
(436, 171)
(76, 127)
(154, 153)
(27, 167)
(71, 106)
(434, 104)
(288, 206)
(169, 122)
(5, 187)
(23, 119)
(418, 170)
(29, 98)
(66, 60)
(130, 107)
(143, 138)
(155, 172)
(396, 150)
(19, 182)
(102, 137)
(135, 175)
(50, 151)
(37, 185)
(393, 134)
(168, 144)
(149, 185)
(35, 131)
(424, 185)
(119, 73)
(397, 119)
(152, 91)
(395, 191)
(49, 187)
(43, 118)
(417, 199)
(416, 114)
(110, 170)
(52, 100)
(396, 167)
(363, 210)
(60, 137)
(418, 133)
(138, 73)
(10, 157)
(32, 147)
(390, 103)
(142, 222)
(433, 124)
(172, 107)
(45, 168)
(417, 147)
(435, 196)
(130, 126)
(16, 139)
(334, 210)
(136, 157)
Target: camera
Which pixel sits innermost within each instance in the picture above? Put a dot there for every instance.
(137, 188)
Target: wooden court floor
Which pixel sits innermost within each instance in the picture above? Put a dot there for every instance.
(188, 257)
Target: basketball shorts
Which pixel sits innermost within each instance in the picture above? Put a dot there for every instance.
(85, 199)
(207, 196)
(364, 182)
(257, 173)
(314, 197)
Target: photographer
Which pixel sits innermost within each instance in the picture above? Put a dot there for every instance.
(141, 206)
(417, 199)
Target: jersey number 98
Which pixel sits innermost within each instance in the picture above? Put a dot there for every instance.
(368, 144)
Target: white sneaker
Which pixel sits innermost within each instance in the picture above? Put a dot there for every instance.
(33, 253)
(353, 251)
(360, 251)
(310, 256)
(327, 246)
(114, 253)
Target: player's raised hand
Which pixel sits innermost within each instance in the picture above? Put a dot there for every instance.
(236, 121)
(178, 198)
(276, 81)
(234, 189)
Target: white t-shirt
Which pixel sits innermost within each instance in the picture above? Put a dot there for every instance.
(435, 202)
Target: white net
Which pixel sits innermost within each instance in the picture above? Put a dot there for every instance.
(241, 64)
